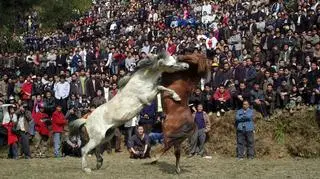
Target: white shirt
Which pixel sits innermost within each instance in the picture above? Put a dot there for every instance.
(214, 42)
(113, 26)
(61, 90)
(133, 122)
(6, 115)
(146, 49)
(20, 124)
(206, 8)
(106, 94)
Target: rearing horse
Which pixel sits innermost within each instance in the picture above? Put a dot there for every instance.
(140, 90)
(179, 124)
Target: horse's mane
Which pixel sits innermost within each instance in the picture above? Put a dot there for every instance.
(199, 60)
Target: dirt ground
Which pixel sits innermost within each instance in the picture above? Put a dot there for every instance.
(120, 166)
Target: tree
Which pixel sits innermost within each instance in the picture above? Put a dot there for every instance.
(52, 12)
(55, 12)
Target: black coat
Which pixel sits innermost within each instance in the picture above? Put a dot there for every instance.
(91, 89)
(61, 61)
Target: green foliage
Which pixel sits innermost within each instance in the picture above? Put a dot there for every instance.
(11, 9)
(52, 12)
(9, 43)
(279, 132)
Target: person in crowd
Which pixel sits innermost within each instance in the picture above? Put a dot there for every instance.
(61, 92)
(24, 117)
(242, 93)
(49, 103)
(295, 100)
(130, 128)
(156, 135)
(75, 86)
(26, 91)
(207, 96)
(139, 144)
(196, 98)
(198, 139)
(283, 94)
(3, 130)
(270, 99)
(73, 114)
(4, 86)
(92, 86)
(306, 90)
(71, 146)
(257, 98)
(9, 121)
(58, 123)
(98, 99)
(73, 102)
(222, 100)
(315, 98)
(113, 91)
(245, 135)
(42, 133)
(146, 122)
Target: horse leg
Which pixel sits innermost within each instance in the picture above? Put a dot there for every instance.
(85, 150)
(90, 145)
(161, 153)
(177, 153)
(98, 152)
(98, 156)
(171, 92)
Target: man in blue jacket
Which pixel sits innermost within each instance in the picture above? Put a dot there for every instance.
(245, 127)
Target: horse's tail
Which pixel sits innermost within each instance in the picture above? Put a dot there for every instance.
(75, 126)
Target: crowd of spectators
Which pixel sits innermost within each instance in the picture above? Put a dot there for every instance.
(260, 51)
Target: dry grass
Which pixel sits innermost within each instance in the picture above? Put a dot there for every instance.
(286, 135)
(120, 166)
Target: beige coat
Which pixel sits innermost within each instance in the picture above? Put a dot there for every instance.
(206, 120)
(4, 89)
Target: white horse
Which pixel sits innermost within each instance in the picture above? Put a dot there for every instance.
(140, 90)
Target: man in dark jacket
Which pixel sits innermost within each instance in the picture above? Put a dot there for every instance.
(258, 100)
(92, 86)
(139, 144)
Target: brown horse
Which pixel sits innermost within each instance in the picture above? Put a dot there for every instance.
(179, 124)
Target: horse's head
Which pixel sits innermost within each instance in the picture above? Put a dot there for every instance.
(199, 64)
(170, 64)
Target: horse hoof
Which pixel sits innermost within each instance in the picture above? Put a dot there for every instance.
(176, 98)
(99, 165)
(87, 170)
(178, 170)
(154, 161)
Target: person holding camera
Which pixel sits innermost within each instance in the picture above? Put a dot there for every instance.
(24, 118)
(245, 127)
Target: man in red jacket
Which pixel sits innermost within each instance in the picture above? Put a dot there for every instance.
(222, 99)
(41, 120)
(58, 123)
